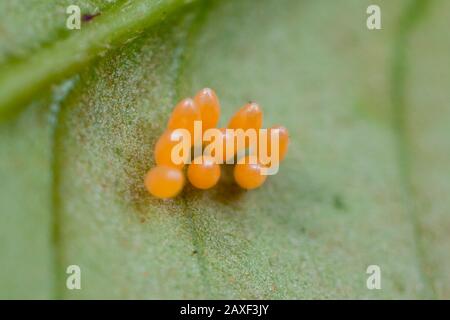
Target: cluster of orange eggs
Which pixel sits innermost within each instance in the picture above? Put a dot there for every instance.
(167, 179)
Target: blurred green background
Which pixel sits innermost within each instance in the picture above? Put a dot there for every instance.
(366, 180)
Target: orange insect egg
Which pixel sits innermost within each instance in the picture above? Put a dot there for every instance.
(164, 182)
(248, 176)
(229, 141)
(183, 116)
(163, 149)
(248, 117)
(204, 175)
(283, 141)
(208, 103)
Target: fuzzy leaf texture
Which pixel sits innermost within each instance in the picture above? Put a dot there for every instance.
(365, 180)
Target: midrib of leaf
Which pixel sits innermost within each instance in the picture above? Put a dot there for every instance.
(67, 56)
(411, 17)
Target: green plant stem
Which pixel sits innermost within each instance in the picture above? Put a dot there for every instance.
(21, 80)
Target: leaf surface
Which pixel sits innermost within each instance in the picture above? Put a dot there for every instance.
(355, 189)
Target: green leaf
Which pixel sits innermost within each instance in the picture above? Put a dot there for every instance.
(426, 101)
(69, 54)
(362, 184)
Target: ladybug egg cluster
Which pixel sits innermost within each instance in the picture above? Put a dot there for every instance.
(167, 179)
